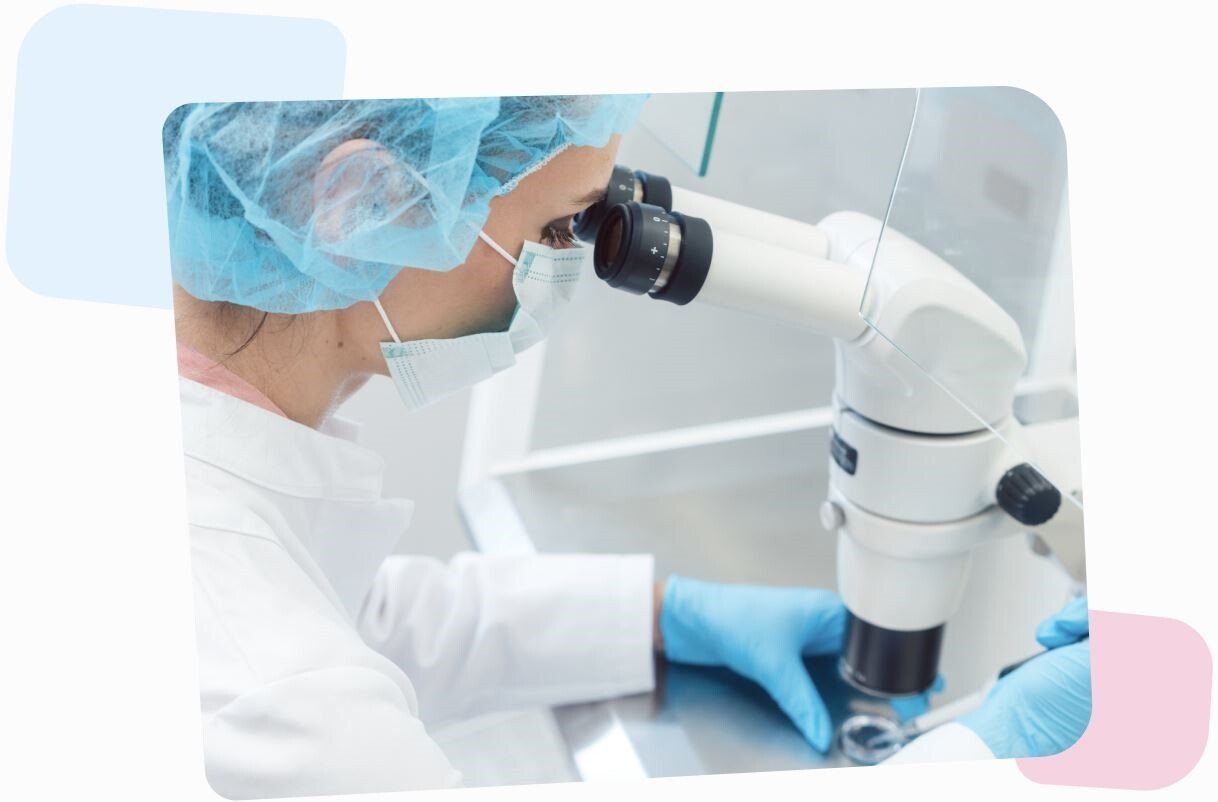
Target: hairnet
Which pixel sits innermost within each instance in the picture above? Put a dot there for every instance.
(260, 217)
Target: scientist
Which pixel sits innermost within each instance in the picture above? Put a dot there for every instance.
(317, 244)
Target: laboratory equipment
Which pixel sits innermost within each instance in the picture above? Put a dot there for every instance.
(917, 479)
(869, 738)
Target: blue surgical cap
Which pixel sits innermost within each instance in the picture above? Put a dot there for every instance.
(260, 217)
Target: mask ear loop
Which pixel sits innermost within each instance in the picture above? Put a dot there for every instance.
(381, 310)
(392, 333)
(485, 238)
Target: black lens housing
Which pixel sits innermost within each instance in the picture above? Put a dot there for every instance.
(633, 247)
(624, 185)
(890, 662)
(657, 190)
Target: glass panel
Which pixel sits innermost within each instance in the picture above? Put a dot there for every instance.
(685, 124)
(619, 365)
(970, 278)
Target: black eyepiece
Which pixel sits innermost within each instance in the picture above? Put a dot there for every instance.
(643, 249)
(632, 246)
(656, 189)
(624, 185)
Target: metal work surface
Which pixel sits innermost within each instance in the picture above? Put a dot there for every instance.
(741, 511)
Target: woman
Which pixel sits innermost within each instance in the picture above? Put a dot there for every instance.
(313, 246)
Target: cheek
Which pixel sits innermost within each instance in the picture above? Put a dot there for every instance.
(505, 301)
(491, 294)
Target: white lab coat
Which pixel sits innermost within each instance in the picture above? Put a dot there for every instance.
(323, 657)
(950, 741)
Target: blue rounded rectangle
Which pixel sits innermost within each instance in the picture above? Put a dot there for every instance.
(94, 85)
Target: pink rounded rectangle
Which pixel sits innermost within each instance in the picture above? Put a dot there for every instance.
(1150, 690)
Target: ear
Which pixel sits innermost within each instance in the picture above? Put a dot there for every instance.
(358, 186)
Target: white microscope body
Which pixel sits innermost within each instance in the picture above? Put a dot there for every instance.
(927, 459)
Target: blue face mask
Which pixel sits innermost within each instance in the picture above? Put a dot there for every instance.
(427, 370)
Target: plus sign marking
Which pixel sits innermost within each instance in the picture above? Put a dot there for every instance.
(654, 250)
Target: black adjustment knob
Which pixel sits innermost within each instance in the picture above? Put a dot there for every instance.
(1027, 496)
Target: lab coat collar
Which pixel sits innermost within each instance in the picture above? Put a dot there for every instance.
(326, 483)
(276, 452)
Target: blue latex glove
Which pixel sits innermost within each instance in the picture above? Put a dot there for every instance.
(1067, 626)
(909, 707)
(761, 633)
(1042, 707)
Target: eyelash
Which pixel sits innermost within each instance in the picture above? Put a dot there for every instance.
(553, 235)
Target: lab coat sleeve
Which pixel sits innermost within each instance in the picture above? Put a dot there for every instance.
(948, 742)
(493, 632)
(332, 731)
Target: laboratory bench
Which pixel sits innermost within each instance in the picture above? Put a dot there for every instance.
(744, 510)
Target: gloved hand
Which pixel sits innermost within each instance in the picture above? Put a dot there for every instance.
(760, 633)
(1068, 625)
(910, 707)
(1042, 707)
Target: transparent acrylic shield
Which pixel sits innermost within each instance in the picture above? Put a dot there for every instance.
(685, 124)
(618, 365)
(970, 278)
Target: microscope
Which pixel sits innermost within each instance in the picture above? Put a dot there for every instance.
(926, 459)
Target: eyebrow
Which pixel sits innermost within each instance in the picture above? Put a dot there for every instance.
(592, 197)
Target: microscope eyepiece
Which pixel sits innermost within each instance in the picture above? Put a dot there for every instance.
(632, 246)
(643, 249)
(657, 190)
(624, 185)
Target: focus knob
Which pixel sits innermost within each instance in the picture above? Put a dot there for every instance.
(1027, 496)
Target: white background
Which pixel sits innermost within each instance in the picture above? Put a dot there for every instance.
(99, 697)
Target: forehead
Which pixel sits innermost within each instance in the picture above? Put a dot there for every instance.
(571, 173)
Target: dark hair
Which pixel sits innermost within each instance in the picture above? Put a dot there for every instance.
(227, 309)
(253, 334)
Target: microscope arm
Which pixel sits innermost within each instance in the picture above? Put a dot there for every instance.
(805, 291)
(773, 266)
(932, 334)
(926, 462)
